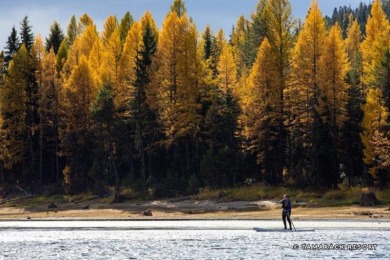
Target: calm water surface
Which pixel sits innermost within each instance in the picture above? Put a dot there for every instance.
(192, 240)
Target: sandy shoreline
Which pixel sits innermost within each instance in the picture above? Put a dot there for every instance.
(189, 210)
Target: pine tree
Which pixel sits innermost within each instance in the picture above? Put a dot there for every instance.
(207, 43)
(382, 74)
(381, 153)
(49, 118)
(62, 55)
(142, 116)
(353, 161)
(38, 52)
(262, 113)
(72, 30)
(178, 6)
(98, 60)
(103, 113)
(242, 47)
(13, 107)
(376, 62)
(333, 102)
(80, 87)
(303, 99)
(227, 71)
(26, 35)
(176, 91)
(55, 38)
(125, 25)
(375, 44)
(209, 50)
(84, 21)
(109, 27)
(127, 74)
(374, 123)
(279, 27)
(112, 55)
(12, 46)
(82, 46)
(79, 92)
(257, 30)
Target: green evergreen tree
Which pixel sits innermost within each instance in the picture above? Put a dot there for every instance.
(103, 113)
(143, 116)
(210, 52)
(353, 159)
(48, 101)
(257, 30)
(26, 34)
(62, 55)
(55, 38)
(2, 67)
(12, 45)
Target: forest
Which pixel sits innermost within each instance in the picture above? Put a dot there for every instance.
(168, 111)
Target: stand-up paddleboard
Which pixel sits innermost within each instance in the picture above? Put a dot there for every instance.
(258, 229)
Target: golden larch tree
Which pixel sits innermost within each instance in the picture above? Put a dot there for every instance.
(303, 95)
(261, 114)
(374, 122)
(376, 42)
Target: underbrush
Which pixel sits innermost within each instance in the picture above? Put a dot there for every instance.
(335, 197)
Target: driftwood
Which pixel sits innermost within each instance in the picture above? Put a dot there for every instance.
(368, 199)
(24, 191)
(28, 195)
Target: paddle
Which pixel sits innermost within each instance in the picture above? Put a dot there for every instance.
(292, 223)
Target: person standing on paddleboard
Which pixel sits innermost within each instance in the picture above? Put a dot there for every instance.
(286, 210)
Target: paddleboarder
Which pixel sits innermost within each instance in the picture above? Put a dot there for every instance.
(286, 210)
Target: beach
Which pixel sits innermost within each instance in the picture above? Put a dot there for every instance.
(188, 209)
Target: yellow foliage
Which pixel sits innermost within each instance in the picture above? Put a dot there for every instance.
(332, 73)
(112, 54)
(96, 60)
(375, 116)
(177, 81)
(303, 91)
(124, 90)
(227, 71)
(376, 42)
(262, 112)
(38, 52)
(353, 40)
(80, 90)
(82, 46)
(110, 26)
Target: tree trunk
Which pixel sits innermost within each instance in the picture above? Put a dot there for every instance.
(113, 164)
(140, 147)
(2, 178)
(57, 162)
(368, 199)
(41, 156)
(187, 159)
(131, 165)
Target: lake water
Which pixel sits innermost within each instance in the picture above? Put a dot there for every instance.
(222, 239)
